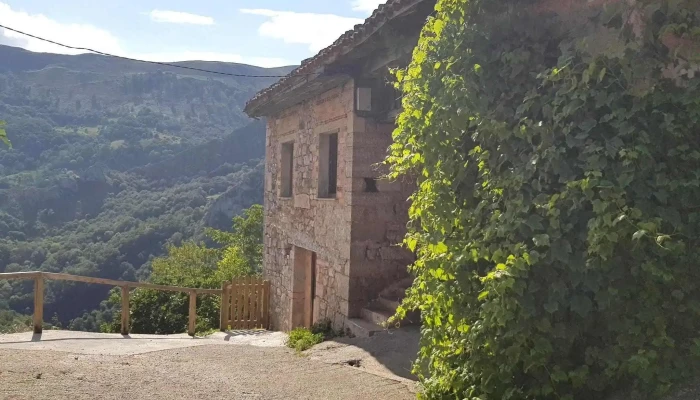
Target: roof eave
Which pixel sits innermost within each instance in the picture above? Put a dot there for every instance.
(302, 89)
(259, 105)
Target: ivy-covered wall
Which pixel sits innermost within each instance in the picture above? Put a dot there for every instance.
(557, 218)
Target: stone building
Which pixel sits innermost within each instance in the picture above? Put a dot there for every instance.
(332, 224)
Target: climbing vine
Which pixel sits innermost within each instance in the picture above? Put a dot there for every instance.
(557, 215)
(3, 135)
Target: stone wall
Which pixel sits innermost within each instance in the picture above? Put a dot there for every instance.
(318, 225)
(354, 235)
(378, 218)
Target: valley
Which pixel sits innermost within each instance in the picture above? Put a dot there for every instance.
(111, 162)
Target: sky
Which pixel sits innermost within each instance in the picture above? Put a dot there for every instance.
(266, 33)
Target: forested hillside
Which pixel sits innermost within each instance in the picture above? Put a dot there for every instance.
(111, 161)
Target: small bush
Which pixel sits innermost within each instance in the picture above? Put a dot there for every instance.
(302, 339)
(12, 322)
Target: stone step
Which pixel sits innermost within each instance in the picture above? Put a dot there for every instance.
(397, 290)
(387, 304)
(376, 316)
(361, 328)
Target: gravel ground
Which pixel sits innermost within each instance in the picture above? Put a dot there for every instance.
(389, 354)
(206, 371)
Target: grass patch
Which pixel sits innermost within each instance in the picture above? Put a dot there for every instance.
(302, 339)
(204, 332)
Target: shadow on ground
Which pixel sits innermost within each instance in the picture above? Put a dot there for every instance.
(390, 352)
(237, 333)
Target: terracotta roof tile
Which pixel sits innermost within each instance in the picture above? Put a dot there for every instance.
(342, 45)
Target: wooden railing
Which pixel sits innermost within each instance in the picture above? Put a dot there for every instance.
(244, 302)
(40, 277)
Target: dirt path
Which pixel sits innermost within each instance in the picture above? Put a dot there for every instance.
(206, 371)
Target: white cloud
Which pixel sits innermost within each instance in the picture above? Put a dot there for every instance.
(82, 35)
(71, 34)
(178, 17)
(315, 30)
(366, 6)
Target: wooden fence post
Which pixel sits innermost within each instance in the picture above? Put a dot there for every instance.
(193, 313)
(225, 307)
(230, 306)
(38, 304)
(125, 310)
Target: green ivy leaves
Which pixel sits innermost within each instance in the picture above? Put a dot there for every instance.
(3, 135)
(541, 240)
(556, 220)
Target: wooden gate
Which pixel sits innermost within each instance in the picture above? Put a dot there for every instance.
(245, 304)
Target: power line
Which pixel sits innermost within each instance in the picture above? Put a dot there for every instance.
(142, 61)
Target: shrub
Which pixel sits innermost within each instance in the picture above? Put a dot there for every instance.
(556, 218)
(302, 339)
(12, 322)
(193, 265)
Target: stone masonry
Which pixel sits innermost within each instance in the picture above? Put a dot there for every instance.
(354, 235)
(332, 246)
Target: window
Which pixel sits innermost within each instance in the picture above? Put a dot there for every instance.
(363, 99)
(328, 166)
(377, 98)
(287, 169)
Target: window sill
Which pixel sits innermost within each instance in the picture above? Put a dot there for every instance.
(326, 198)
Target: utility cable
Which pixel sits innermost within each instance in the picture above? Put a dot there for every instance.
(144, 61)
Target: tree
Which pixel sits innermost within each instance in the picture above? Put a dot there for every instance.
(127, 191)
(243, 248)
(556, 218)
(197, 266)
(190, 265)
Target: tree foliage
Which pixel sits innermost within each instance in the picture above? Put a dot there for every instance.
(193, 265)
(110, 163)
(3, 135)
(189, 265)
(243, 248)
(557, 219)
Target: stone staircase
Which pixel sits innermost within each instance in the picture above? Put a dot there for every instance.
(381, 309)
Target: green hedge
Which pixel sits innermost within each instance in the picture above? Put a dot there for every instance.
(558, 210)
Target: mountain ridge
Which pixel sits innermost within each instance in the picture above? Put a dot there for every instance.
(15, 59)
(112, 161)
